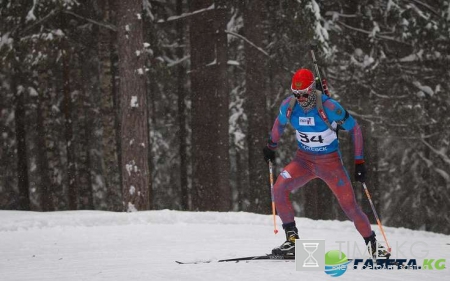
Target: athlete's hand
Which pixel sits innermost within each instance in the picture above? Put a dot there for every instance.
(360, 172)
(269, 154)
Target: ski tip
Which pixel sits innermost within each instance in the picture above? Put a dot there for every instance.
(194, 262)
(275, 231)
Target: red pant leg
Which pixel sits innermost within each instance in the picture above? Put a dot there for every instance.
(334, 174)
(296, 174)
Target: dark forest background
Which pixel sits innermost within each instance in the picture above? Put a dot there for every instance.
(135, 105)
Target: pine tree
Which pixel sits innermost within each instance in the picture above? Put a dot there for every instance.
(133, 106)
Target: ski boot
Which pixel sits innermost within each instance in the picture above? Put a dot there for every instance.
(376, 250)
(288, 247)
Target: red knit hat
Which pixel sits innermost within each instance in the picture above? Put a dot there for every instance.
(302, 79)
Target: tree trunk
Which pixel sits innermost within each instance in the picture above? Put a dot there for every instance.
(22, 161)
(45, 184)
(110, 161)
(257, 193)
(68, 132)
(222, 104)
(87, 109)
(54, 123)
(134, 122)
(182, 113)
(8, 163)
(85, 132)
(210, 185)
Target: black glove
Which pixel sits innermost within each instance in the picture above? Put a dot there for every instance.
(269, 154)
(360, 172)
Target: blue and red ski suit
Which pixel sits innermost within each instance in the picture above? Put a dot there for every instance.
(318, 156)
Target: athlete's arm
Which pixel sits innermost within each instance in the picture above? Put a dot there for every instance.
(345, 121)
(279, 125)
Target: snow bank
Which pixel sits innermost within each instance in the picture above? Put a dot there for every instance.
(95, 245)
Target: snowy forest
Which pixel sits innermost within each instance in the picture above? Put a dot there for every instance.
(166, 104)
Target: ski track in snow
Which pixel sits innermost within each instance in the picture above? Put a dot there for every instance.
(95, 245)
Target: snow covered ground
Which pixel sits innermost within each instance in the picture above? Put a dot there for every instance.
(94, 245)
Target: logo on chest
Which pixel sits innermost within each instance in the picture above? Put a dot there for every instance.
(306, 121)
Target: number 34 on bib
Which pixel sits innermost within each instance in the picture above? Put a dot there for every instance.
(316, 139)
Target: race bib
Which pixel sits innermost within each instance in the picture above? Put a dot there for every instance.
(316, 139)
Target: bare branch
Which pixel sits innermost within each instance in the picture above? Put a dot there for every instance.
(373, 118)
(248, 41)
(256, 47)
(105, 25)
(368, 32)
(388, 97)
(405, 137)
(48, 16)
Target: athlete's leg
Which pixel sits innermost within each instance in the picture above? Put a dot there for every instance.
(296, 174)
(336, 177)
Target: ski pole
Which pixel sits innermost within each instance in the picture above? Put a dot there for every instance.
(275, 230)
(376, 216)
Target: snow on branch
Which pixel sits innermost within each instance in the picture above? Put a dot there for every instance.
(388, 97)
(424, 89)
(412, 57)
(418, 11)
(148, 9)
(171, 62)
(31, 16)
(443, 174)
(442, 152)
(426, 6)
(336, 15)
(186, 15)
(370, 33)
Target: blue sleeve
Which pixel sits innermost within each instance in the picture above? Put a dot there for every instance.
(282, 114)
(335, 112)
(279, 124)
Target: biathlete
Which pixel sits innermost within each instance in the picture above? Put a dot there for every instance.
(316, 119)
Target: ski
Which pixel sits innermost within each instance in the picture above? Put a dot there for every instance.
(251, 258)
